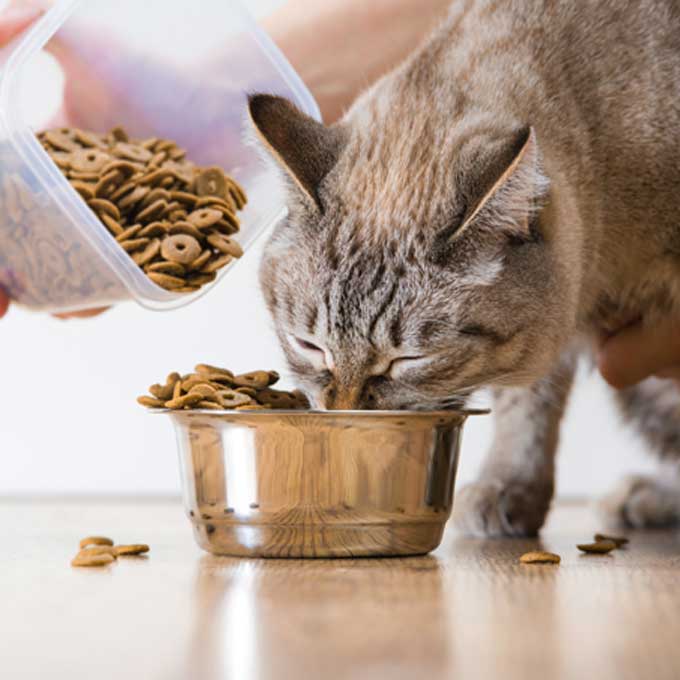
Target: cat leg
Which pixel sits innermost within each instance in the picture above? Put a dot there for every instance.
(515, 486)
(650, 501)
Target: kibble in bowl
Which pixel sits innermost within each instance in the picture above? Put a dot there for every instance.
(218, 389)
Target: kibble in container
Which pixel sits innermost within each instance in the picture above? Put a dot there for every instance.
(173, 69)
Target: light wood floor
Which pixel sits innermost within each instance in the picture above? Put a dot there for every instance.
(468, 611)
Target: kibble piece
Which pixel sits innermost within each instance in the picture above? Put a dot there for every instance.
(132, 549)
(102, 205)
(61, 140)
(207, 368)
(112, 225)
(618, 540)
(599, 547)
(225, 245)
(95, 540)
(212, 182)
(231, 399)
(153, 211)
(539, 557)
(161, 392)
(201, 279)
(216, 264)
(151, 402)
(129, 233)
(184, 227)
(184, 401)
(166, 281)
(119, 134)
(177, 389)
(134, 244)
(88, 139)
(210, 405)
(81, 560)
(171, 268)
(180, 248)
(206, 391)
(132, 152)
(184, 197)
(84, 189)
(154, 230)
(148, 254)
(98, 550)
(108, 185)
(256, 379)
(277, 398)
(124, 168)
(154, 196)
(204, 218)
(237, 193)
(132, 198)
(302, 399)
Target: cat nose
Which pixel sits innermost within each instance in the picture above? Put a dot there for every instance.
(342, 398)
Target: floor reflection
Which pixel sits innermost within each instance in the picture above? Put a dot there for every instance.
(487, 637)
(261, 619)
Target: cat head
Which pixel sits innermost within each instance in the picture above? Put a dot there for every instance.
(412, 268)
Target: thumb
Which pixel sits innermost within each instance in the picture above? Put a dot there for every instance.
(4, 303)
(14, 21)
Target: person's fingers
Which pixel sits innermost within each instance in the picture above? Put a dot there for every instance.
(85, 314)
(639, 351)
(15, 20)
(4, 303)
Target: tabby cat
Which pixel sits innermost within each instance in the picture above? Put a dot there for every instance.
(474, 220)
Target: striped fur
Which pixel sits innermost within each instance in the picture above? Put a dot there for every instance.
(509, 190)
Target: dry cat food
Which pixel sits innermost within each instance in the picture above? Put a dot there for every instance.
(175, 219)
(95, 540)
(598, 547)
(219, 389)
(98, 551)
(620, 541)
(539, 557)
(40, 264)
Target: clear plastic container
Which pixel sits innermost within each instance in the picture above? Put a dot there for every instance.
(177, 69)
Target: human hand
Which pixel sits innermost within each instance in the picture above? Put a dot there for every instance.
(640, 351)
(4, 303)
(15, 20)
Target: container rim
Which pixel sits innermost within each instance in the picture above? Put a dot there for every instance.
(322, 414)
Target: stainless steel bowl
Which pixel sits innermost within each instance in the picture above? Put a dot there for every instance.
(318, 484)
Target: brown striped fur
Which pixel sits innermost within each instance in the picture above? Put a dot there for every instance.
(511, 189)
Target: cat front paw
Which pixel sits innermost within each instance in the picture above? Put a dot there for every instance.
(640, 502)
(497, 508)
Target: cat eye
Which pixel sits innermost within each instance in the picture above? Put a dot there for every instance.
(477, 331)
(306, 345)
(473, 330)
(400, 364)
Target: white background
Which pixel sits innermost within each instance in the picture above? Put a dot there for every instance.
(69, 423)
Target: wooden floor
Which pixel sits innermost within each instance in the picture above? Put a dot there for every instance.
(468, 611)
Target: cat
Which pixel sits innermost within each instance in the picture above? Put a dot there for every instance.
(475, 219)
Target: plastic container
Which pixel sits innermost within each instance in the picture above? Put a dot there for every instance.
(165, 68)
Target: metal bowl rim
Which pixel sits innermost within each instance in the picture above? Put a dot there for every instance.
(322, 414)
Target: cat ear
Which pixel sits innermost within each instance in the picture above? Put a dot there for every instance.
(513, 192)
(306, 149)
